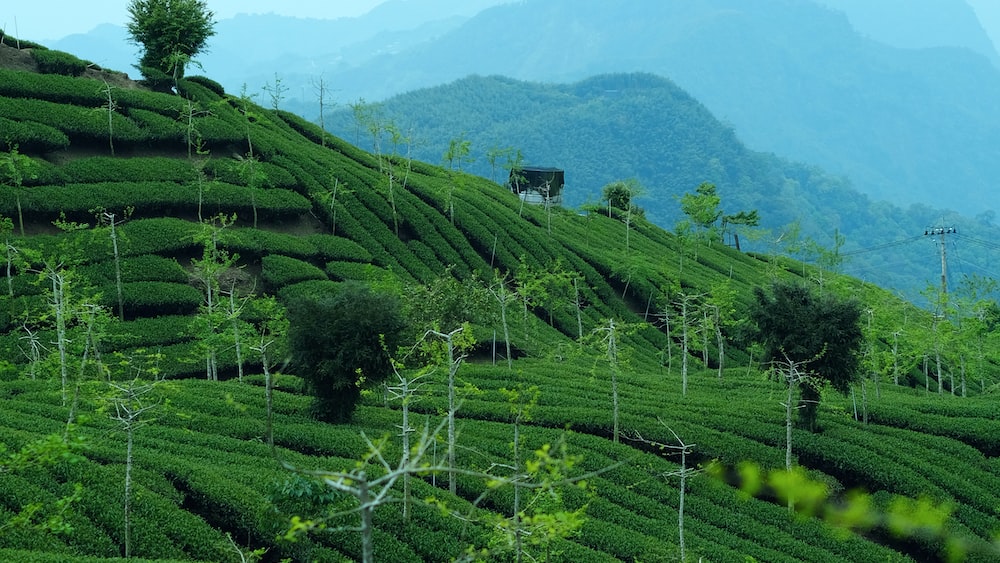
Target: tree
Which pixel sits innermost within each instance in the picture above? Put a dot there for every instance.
(321, 88)
(269, 331)
(105, 217)
(15, 168)
(110, 106)
(621, 195)
(171, 33)
(684, 450)
(457, 345)
(794, 324)
(336, 344)
(702, 207)
(128, 406)
(216, 261)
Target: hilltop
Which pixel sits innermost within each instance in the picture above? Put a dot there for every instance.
(311, 212)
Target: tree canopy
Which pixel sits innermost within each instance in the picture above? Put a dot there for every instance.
(339, 344)
(171, 33)
(821, 332)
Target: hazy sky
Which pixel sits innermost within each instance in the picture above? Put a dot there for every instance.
(43, 20)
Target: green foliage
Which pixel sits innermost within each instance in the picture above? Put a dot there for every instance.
(620, 194)
(154, 198)
(98, 169)
(152, 298)
(329, 247)
(278, 271)
(32, 136)
(702, 206)
(208, 83)
(170, 32)
(821, 332)
(338, 345)
(57, 62)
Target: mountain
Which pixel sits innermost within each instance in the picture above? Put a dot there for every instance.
(300, 50)
(138, 415)
(642, 126)
(790, 76)
(920, 24)
(897, 97)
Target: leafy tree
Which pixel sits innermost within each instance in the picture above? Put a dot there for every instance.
(15, 168)
(823, 332)
(702, 206)
(215, 263)
(337, 344)
(269, 332)
(171, 33)
(622, 194)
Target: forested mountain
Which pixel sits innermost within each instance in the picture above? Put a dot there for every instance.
(177, 311)
(905, 109)
(642, 126)
(791, 77)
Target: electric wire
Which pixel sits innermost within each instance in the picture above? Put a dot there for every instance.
(882, 246)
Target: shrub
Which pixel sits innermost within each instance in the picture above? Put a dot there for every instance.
(148, 332)
(31, 136)
(149, 299)
(254, 242)
(147, 267)
(57, 62)
(52, 87)
(208, 83)
(161, 235)
(311, 289)
(331, 247)
(135, 169)
(344, 271)
(158, 128)
(278, 271)
(338, 344)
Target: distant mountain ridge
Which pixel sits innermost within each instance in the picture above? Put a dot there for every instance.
(794, 77)
(619, 126)
(921, 24)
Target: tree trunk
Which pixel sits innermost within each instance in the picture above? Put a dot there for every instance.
(128, 491)
(452, 368)
(684, 348)
(118, 270)
(367, 523)
(268, 386)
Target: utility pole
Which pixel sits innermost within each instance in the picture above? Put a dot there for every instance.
(940, 232)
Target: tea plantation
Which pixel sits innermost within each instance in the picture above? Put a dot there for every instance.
(144, 231)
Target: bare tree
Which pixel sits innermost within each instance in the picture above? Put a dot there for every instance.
(793, 373)
(609, 338)
(371, 486)
(110, 106)
(322, 89)
(405, 390)
(503, 296)
(683, 450)
(457, 343)
(130, 404)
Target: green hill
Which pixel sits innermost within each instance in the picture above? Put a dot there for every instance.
(618, 126)
(203, 178)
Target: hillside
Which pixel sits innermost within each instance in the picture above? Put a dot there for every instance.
(793, 78)
(311, 211)
(642, 126)
(894, 95)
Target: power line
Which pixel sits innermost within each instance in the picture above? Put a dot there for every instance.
(882, 246)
